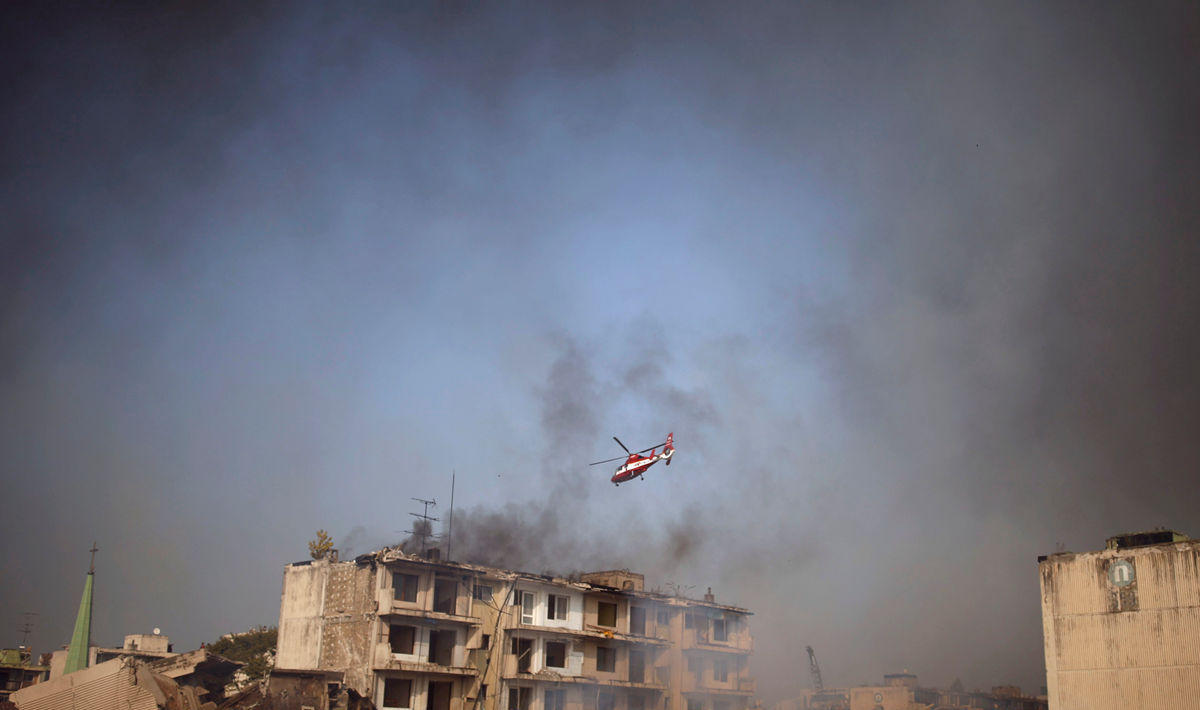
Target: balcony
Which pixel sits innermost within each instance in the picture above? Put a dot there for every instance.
(594, 632)
(420, 667)
(553, 677)
(696, 639)
(744, 686)
(391, 607)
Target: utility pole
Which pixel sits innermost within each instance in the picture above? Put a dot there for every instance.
(450, 527)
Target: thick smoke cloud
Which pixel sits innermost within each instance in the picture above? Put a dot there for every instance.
(914, 286)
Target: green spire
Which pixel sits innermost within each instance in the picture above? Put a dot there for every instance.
(77, 653)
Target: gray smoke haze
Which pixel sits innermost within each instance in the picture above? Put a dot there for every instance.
(915, 286)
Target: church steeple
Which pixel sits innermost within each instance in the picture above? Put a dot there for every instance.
(81, 639)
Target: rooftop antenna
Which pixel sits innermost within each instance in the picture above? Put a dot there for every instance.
(450, 527)
(26, 626)
(679, 590)
(422, 531)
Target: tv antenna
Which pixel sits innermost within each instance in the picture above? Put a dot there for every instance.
(26, 626)
(679, 590)
(419, 531)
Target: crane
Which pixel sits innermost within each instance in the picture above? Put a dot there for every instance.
(814, 669)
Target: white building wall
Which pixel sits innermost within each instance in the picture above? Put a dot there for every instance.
(301, 610)
(1129, 643)
(541, 594)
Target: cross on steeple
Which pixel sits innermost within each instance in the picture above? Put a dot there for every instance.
(92, 569)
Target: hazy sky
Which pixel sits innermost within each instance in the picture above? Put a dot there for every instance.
(914, 285)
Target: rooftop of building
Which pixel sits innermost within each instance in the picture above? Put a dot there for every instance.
(1132, 540)
(585, 582)
(20, 657)
(1144, 539)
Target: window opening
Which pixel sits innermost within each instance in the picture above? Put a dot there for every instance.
(606, 659)
(637, 620)
(556, 607)
(556, 654)
(445, 596)
(401, 639)
(527, 604)
(606, 614)
(441, 647)
(397, 693)
(518, 698)
(438, 697)
(637, 667)
(718, 630)
(523, 650)
(404, 587)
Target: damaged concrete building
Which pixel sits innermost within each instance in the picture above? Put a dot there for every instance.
(183, 681)
(1122, 625)
(420, 633)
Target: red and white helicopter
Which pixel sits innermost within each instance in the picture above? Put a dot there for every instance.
(636, 464)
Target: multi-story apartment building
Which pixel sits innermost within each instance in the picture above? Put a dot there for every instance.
(1122, 625)
(425, 634)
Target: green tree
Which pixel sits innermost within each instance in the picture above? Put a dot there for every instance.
(319, 548)
(255, 648)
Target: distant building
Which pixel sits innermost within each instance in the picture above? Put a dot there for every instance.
(145, 646)
(901, 691)
(17, 670)
(1122, 626)
(421, 633)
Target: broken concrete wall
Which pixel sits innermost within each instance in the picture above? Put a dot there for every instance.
(350, 608)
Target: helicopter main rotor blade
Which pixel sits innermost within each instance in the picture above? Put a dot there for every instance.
(652, 448)
(622, 445)
(619, 458)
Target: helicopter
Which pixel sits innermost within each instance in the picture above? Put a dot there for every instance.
(636, 464)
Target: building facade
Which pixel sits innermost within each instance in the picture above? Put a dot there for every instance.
(420, 633)
(17, 670)
(1122, 626)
